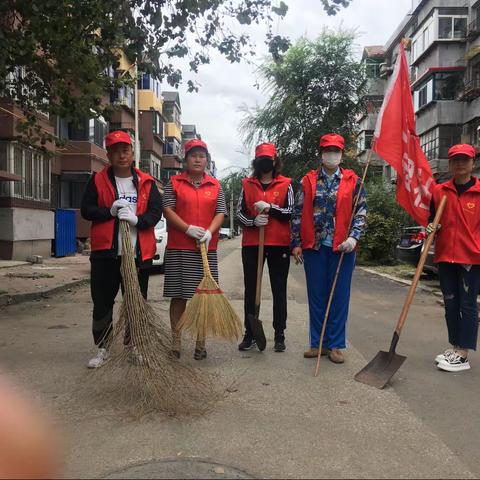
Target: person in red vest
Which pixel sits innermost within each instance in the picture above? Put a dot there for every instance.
(457, 252)
(266, 200)
(118, 192)
(194, 206)
(320, 232)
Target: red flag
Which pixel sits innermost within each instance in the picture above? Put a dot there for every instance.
(396, 141)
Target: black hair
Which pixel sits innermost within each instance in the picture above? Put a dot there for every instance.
(277, 167)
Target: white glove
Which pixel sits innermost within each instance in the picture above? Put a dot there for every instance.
(206, 238)
(117, 205)
(348, 245)
(195, 232)
(262, 206)
(261, 220)
(127, 214)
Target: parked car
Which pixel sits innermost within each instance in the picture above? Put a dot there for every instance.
(161, 237)
(410, 245)
(225, 233)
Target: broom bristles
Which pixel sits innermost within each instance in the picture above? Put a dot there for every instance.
(209, 314)
(150, 379)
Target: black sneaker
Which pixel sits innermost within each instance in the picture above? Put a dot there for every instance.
(279, 345)
(247, 344)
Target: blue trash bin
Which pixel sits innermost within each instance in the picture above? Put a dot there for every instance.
(65, 232)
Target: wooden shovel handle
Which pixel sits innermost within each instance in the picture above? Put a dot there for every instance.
(421, 263)
(261, 249)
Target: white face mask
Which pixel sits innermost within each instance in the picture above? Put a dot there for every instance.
(331, 159)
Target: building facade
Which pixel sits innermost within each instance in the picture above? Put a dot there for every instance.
(443, 50)
(173, 149)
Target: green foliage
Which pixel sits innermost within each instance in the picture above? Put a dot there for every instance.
(314, 89)
(385, 221)
(232, 185)
(65, 47)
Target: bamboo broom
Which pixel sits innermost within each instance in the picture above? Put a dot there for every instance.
(209, 313)
(140, 369)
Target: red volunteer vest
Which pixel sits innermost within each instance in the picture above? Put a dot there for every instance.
(195, 206)
(458, 240)
(101, 233)
(277, 233)
(343, 211)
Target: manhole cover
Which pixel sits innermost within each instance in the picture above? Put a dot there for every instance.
(179, 469)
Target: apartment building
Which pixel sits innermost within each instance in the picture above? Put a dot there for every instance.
(173, 149)
(151, 126)
(444, 56)
(26, 220)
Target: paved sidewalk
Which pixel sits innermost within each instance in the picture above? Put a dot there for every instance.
(23, 281)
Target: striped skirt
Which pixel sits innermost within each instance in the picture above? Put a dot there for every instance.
(184, 272)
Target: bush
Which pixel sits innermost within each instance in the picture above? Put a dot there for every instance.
(385, 221)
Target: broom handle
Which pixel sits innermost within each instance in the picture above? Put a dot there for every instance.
(419, 270)
(261, 248)
(206, 266)
(340, 261)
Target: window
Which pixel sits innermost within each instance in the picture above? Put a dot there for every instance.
(423, 95)
(423, 38)
(97, 131)
(447, 85)
(158, 125)
(452, 27)
(436, 142)
(34, 168)
(372, 68)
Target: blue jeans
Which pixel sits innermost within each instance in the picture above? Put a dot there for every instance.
(320, 267)
(460, 289)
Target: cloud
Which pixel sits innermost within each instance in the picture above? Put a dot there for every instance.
(225, 87)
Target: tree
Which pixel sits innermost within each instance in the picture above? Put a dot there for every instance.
(232, 186)
(314, 89)
(385, 221)
(57, 56)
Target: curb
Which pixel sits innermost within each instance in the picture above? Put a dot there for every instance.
(17, 298)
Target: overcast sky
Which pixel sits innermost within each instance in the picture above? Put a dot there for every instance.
(224, 87)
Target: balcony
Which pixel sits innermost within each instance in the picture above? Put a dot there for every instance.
(470, 91)
(473, 29)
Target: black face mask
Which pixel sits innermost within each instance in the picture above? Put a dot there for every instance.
(265, 165)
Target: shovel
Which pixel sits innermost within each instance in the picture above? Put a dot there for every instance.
(385, 364)
(255, 323)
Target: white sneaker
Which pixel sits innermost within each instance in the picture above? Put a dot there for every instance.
(99, 359)
(454, 363)
(444, 355)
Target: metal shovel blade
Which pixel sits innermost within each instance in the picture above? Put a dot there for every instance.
(257, 331)
(381, 369)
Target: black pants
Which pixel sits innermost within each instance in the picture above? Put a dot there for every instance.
(105, 281)
(278, 260)
(460, 289)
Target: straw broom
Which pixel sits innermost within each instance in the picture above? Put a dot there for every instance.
(143, 373)
(209, 313)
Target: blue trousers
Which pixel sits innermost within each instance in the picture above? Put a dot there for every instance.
(320, 267)
(460, 289)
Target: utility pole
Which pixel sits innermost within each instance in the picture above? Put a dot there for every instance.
(231, 208)
(137, 135)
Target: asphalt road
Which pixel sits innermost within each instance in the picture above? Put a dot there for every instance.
(446, 402)
(277, 420)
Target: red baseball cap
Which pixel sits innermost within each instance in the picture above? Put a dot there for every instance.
(266, 150)
(118, 136)
(462, 149)
(332, 140)
(195, 143)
